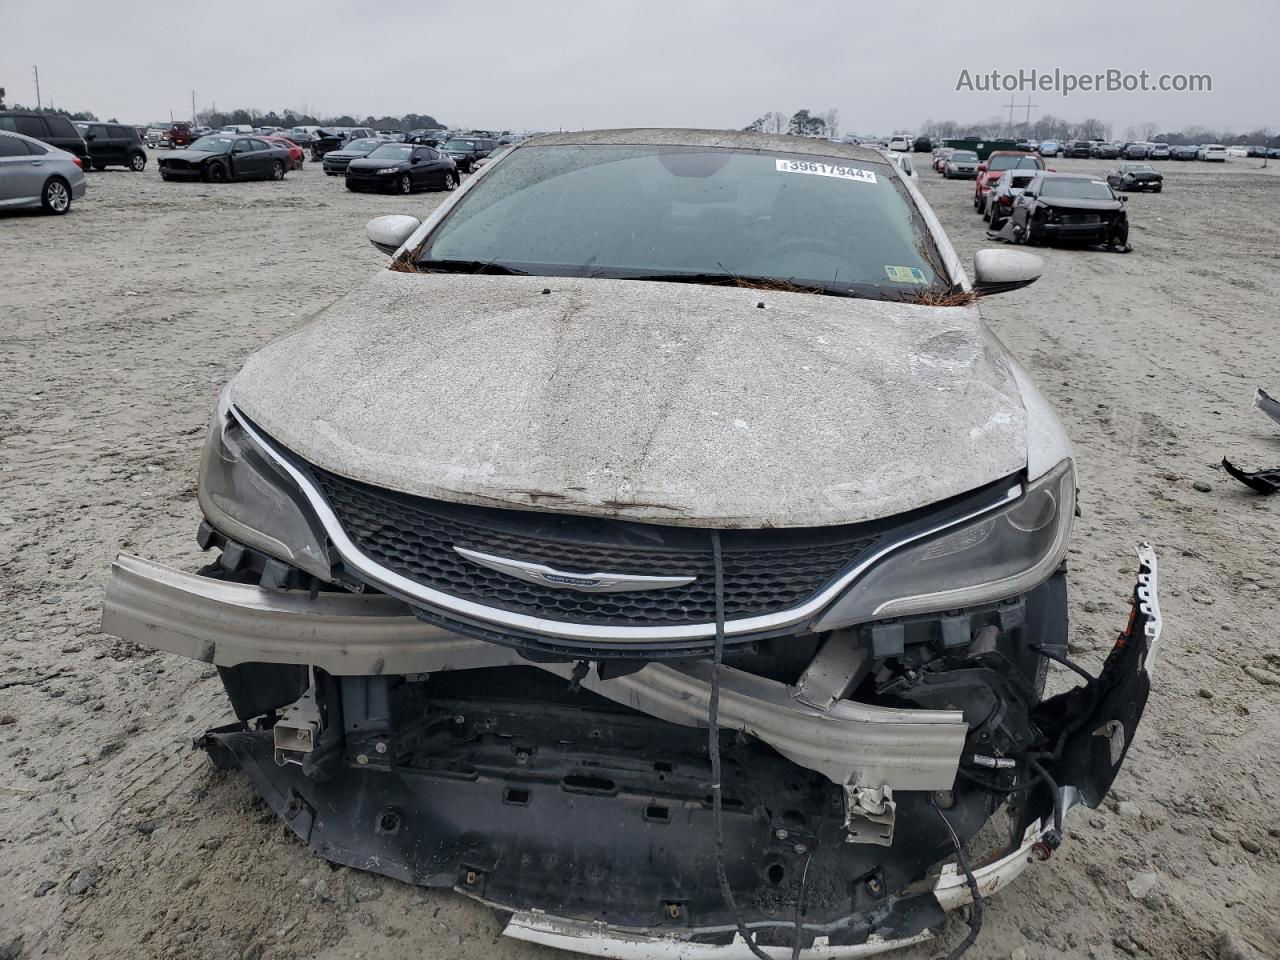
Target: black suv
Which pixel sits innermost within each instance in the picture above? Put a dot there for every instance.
(51, 128)
(113, 144)
(465, 151)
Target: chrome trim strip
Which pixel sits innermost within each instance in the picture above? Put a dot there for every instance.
(409, 589)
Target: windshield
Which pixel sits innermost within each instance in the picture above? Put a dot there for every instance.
(1015, 163)
(705, 215)
(460, 145)
(214, 144)
(392, 151)
(1076, 188)
(362, 146)
(967, 155)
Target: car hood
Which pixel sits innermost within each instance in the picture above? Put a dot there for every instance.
(666, 402)
(191, 156)
(365, 163)
(344, 155)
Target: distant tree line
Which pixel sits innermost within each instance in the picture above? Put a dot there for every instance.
(1049, 127)
(81, 115)
(299, 118)
(802, 123)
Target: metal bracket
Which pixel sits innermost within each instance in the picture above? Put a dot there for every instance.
(298, 729)
(834, 672)
(868, 815)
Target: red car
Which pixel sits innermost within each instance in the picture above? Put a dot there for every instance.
(178, 135)
(990, 169)
(296, 153)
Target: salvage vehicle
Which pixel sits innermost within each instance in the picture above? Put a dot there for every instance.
(1158, 151)
(296, 154)
(402, 167)
(335, 161)
(1069, 208)
(1135, 176)
(1000, 198)
(961, 165)
(940, 157)
(326, 140)
(35, 175)
(113, 144)
(922, 145)
(465, 151)
(662, 552)
(1080, 149)
(1187, 152)
(219, 158)
(1049, 148)
(989, 172)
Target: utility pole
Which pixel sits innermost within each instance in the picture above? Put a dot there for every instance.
(193, 108)
(36, 71)
(1028, 120)
(1011, 106)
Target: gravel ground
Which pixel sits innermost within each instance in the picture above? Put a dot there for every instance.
(118, 324)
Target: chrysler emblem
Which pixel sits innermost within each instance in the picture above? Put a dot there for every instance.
(568, 580)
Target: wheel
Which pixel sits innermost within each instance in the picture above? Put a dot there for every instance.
(450, 181)
(163, 175)
(277, 170)
(56, 196)
(138, 162)
(405, 184)
(215, 173)
(1157, 189)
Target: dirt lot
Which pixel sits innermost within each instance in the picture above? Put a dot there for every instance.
(119, 323)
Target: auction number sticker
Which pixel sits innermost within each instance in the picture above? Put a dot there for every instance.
(906, 274)
(818, 169)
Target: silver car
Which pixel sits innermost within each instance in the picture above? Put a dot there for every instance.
(34, 174)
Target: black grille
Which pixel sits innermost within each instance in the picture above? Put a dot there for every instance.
(765, 570)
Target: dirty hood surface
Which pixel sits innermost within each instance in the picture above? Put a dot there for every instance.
(669, 402)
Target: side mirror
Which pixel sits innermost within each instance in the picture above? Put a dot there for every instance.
(999, 270)
(388, 234)
(1124, 199)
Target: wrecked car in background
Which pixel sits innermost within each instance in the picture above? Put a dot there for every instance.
(663, 551)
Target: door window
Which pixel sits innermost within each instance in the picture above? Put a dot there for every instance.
(12, 147)
(32, 127)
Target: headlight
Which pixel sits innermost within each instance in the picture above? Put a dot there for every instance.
(999, 555)
(246, 497)
(387, 170)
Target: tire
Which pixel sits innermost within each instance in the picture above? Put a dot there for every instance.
(99, 167)
(56, 196)
(216, 173)
(138, 162)
(164, 176)
(404, 184)
(277, 170)
(450, 181)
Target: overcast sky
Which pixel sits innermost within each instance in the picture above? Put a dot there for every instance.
(547, 64)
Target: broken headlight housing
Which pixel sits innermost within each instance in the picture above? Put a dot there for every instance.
(998, 555)
(246, 497)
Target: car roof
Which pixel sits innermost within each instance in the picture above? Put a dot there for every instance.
(725, 139)
(1068, 176)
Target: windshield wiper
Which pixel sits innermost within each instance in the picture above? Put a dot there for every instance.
(470, 266)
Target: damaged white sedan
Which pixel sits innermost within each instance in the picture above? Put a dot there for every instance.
(662, 551)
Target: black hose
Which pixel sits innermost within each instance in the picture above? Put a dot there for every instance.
(975, 916)
(713, 748)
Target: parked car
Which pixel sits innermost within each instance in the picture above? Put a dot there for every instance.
(1001, 197)
(335, 161)
(296, 154)
(154, 136)
(51, 128)
(922, 145)
(961, 165)
(238, 128)
(902, 161)
(201, 131)
(899, 143)
(1186, 152)
(37, 175)
(179, 134)
(1237, 153)
(402, 167)
(219, 157)
(484, 665)
(1159, 151)
(1106, 150)
(1135, 176)
(465, 151)
(113, 144)
(1213, 152)
(428, 138)
(997, 163)
(328, 139)
(1069, 208)
(1078, 149)
(1049, 148)
(940, 157)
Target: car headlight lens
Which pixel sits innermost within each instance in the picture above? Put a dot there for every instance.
(247, 497)
(387, 170)
(999, 555)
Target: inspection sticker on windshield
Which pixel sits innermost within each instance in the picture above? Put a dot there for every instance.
(906, 274)
(818, 169)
